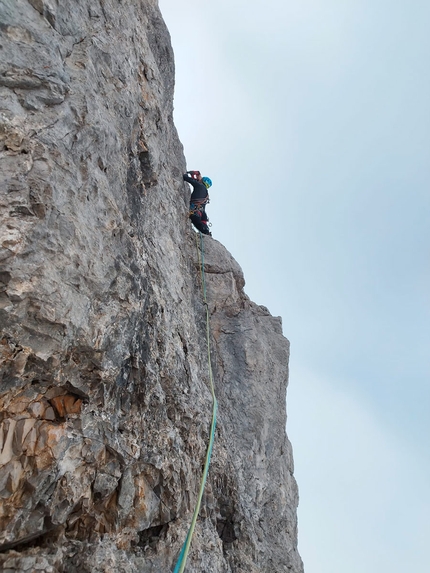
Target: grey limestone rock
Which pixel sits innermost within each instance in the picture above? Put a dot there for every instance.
(105, 398)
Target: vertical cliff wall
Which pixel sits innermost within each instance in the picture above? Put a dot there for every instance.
(105, 401)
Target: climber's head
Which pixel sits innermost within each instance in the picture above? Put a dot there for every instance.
(207, 182)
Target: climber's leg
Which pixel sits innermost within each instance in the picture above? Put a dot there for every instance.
(198, 223)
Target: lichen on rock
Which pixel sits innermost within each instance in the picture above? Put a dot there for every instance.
(105, 400)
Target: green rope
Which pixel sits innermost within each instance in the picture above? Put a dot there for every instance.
(180, 565)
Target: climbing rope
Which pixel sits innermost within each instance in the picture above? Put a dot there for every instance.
(180, 565)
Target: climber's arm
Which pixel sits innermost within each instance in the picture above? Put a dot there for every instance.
(189, 179)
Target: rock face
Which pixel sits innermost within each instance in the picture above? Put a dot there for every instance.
(105, 399)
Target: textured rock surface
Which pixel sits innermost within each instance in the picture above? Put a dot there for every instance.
(104, 392)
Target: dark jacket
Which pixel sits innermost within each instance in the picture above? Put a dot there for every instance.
(200, 193)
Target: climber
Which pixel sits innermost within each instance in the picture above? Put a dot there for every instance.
(199, 198)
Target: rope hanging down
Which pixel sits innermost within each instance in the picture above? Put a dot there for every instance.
(180, 565)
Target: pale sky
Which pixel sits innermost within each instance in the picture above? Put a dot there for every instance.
(313, 120)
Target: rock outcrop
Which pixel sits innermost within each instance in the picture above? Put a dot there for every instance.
(105, 399)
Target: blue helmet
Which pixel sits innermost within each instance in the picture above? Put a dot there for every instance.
(207, 182)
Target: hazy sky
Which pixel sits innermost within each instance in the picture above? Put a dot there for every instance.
(313, 120)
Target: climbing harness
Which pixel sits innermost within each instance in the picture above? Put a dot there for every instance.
(198, 205)
(180, 565)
